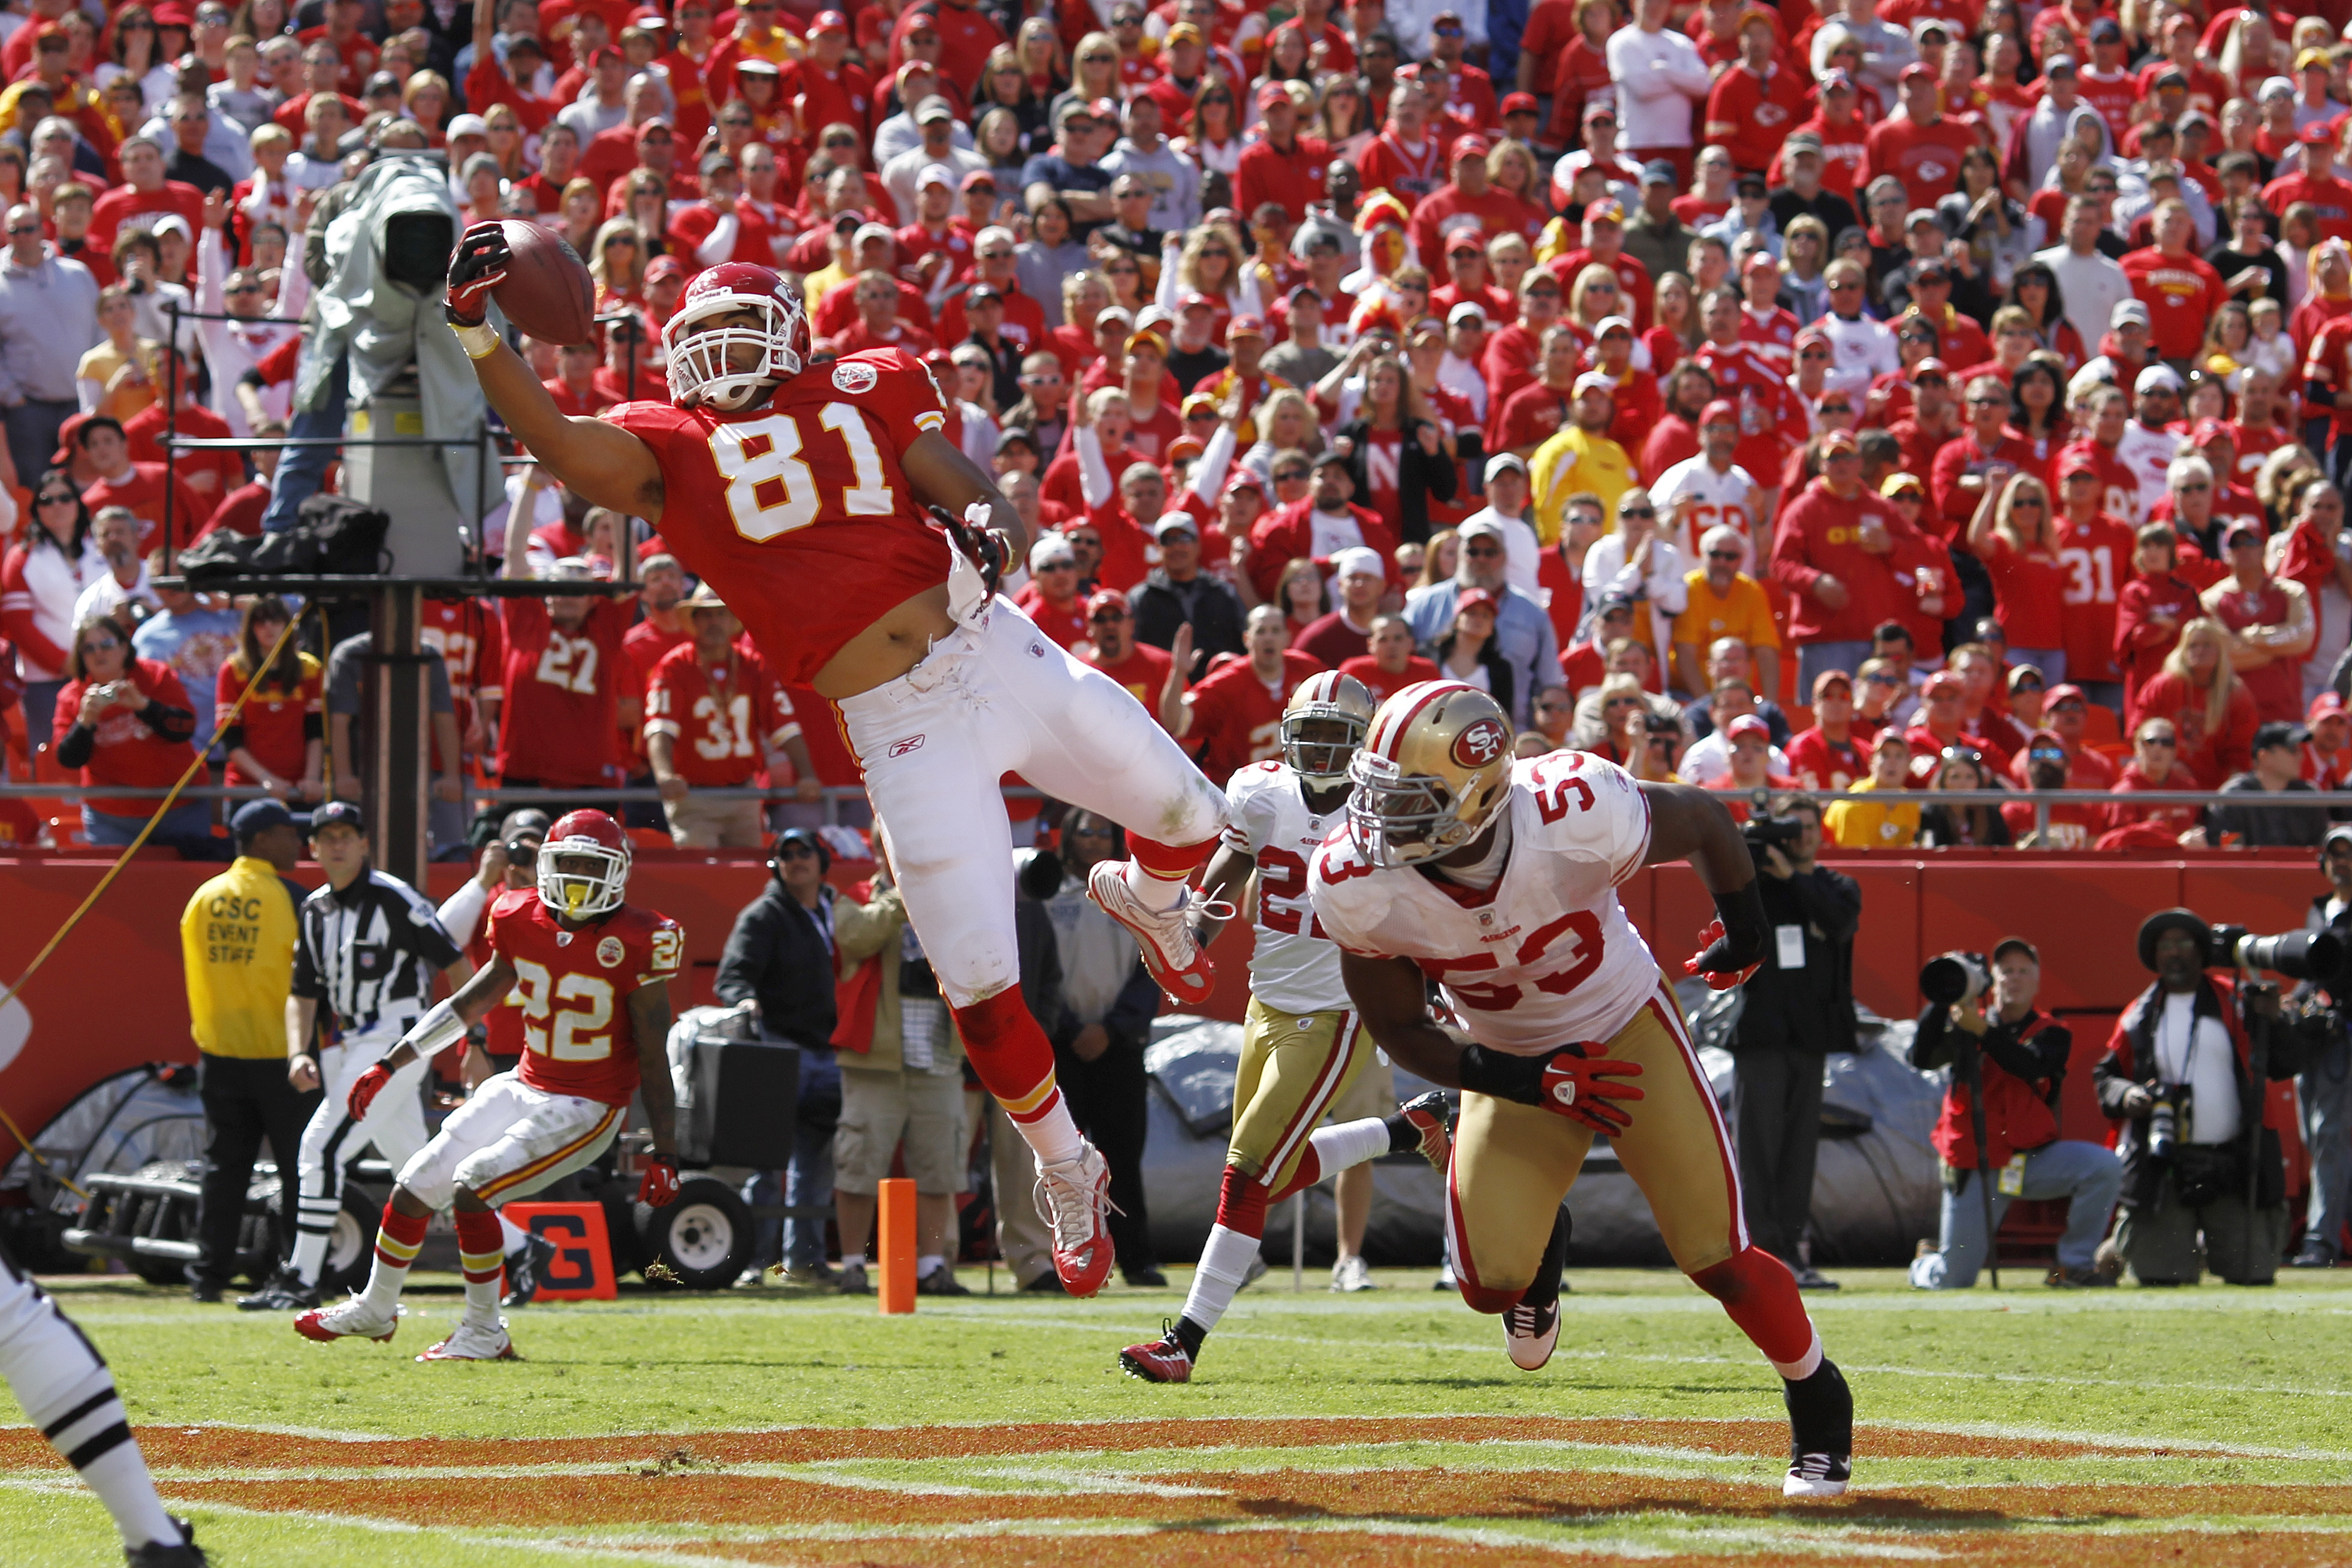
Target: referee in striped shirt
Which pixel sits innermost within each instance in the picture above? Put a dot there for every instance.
(368, 949)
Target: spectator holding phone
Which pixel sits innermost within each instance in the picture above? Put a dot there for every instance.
(132, 727)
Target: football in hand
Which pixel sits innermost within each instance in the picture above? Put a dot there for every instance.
(547, 292)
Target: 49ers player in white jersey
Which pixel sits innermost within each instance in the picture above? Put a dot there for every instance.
(1499, 881)
(802, 492)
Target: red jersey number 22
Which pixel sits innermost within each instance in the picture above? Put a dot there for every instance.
(770, 488)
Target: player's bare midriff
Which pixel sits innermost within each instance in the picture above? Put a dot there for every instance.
(890, 647)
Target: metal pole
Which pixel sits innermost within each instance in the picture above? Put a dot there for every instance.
(401, 757)
(170, 431)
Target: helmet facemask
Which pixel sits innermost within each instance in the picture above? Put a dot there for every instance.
(1398, 818)
(579, 878)
(731, 367)
(1320, 757)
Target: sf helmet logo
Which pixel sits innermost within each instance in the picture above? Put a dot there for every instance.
(1481, 744)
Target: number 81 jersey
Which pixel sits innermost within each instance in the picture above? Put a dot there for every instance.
(1545, 957)
(572, 989)
(798, 511)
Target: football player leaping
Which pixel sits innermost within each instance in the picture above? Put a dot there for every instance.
(803, 494)
(594, 974)
(1499, 880)
(1302, 1043)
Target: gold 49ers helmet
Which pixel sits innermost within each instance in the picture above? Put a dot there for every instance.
(1430, 773)
(1337, 711)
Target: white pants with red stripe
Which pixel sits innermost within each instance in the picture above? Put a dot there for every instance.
(509, 1140)
(987, 700)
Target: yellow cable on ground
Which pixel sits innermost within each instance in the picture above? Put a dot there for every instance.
(106, 881)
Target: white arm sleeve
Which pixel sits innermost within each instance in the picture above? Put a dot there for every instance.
(1209, 473)
(721, 243)
(462, 910)
(1094, 473)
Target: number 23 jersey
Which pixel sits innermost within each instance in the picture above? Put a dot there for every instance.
(572, 990)
(798, 511)
(1544, 957)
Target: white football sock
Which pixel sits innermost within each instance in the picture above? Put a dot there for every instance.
(1347, 1143)
(70, 1394)
(1224, 1264)
(314, 1222)
(927, 1261)
(1157, 892)
(1053, 1137)
(516, 1238)
(852, 1260)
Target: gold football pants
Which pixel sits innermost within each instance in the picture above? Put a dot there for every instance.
(1294, 1065)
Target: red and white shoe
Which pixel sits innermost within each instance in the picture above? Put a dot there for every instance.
(1425, 1119)
(1163, 1360)
(351, 1320)
(474, 1342)
(1074, 1198)
(1175, 959)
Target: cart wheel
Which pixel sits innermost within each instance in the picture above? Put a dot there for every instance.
(350, 1246)
(704, 1239)
(168, 1219)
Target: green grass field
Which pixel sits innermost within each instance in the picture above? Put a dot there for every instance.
(2028, 1426)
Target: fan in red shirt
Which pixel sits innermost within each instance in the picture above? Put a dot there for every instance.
(1140, 668)
(2212, 710)
(834, 91)
(1604, 244)
(1965, 468)
(1829, 756)
(1756, 102)
(2317, 184)
(1764, 325)
(143, 199)
(2095, 548)
(209, 474)
(1513, 357)
(715, 718)
(1234, 716)
(1280, 166)
(1469, 196)
(1535, 412)
(992, 263)
(574, 387)
(147, 489)
(1773, 421)
(278, 740)
(1922, 148)
(767, 474)
(1639, 403)
(562, 680)
(1051, 596)
(132, 727)
(2151, 610)
(2181, 290)
(2014, 535)
(1392, 665)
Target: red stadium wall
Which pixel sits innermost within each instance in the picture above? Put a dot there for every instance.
(112, 997)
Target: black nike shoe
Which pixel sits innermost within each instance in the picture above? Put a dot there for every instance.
(155, 1554)
(523, 1265)
(1821, 1432)
(283, 1292)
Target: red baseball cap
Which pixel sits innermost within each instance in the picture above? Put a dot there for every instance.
(2064, 691)
(1268, 93)
(1748, 724)
(1471, 597)
(2324, 706)
(1518, 103)
(1931, 365)
(1941, 682)
(2072, 463)
(1837, 441)
(1244, 327)
(1721, 408)
(828, 22)
(662, 267)
(1469, 147)
(2212, 430)
(2316, 134)
(1103, 599)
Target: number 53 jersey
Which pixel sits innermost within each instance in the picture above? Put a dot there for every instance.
(1545, 957)
(798, 511)
(572, 990)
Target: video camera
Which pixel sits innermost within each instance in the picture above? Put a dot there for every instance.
(1765, 831)
(2297, 954)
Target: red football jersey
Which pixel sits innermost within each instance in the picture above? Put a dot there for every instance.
(719, 716)
(1237, 717)
(575, 985)
(803, 492)
(562, 693)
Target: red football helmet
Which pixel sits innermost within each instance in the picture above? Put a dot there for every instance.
(707, 364)
(584, 865)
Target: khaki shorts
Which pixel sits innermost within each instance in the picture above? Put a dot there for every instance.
(881, 1108)
(699, 822)
(1514, 1164)
(1294, 1067)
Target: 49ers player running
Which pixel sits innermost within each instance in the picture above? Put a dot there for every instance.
(593, 976)
(1302, 1043)
(802, 496)
(1498, 880)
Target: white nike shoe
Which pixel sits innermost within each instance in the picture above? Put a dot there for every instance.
(1074, 1197)
(1175, 959)
(1352, 1274)
(349, 1319)
(1530, 1332)
(472, 1341)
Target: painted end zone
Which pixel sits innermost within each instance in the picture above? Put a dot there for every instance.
(1456, 1490)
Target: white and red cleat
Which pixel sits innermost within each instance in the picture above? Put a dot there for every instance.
(1175, 959)
(1163, 1360)
(351, 1320)
(1074, 1197)
(1530, 1330)
(474, 1342)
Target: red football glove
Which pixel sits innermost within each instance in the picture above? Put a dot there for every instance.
(366, 1088)
(658, 1186)
(1580, 1088)
(477, 266)
(1707, 961)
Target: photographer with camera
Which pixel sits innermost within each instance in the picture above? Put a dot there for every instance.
(2001, 1116)
(2324, 1089)
(1797, 1009)
(2188, 1071)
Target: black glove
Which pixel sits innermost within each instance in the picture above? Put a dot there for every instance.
(1735, 939)
(984, 548)
(477, 266)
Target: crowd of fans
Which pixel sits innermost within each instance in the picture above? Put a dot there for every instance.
(1939, 399)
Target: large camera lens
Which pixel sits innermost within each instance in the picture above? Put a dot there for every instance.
(2298, 955)
(1950, 977)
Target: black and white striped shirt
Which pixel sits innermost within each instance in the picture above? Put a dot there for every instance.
(370, 951)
